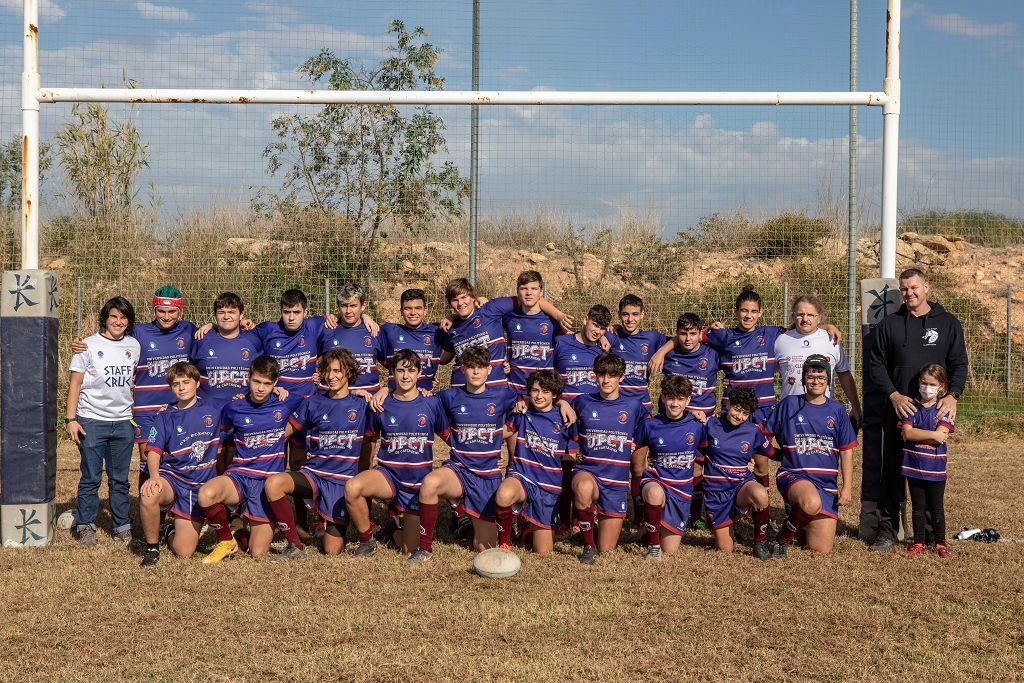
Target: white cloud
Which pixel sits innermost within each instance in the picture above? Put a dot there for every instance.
(49, 10)
(959, 25)
(163, 12)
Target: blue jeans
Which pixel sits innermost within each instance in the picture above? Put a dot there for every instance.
(111, 443)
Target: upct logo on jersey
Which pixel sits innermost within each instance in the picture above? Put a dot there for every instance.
(476, 322)
(760, 340)
(689, 439)
(623, 417)
(491, 409)
(367, 341)
(421, 420)
(644, 348)
(245, 354)
(352, 415)
(703, 363)
(544, 328)
(744, 447)
(277, 414)
(426, 339)
(208, 420)
(181, 343)
(302, 341)
(557, 426)
(930, 336)
(831, 423)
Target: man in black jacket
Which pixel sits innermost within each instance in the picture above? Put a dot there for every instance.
(919, 333)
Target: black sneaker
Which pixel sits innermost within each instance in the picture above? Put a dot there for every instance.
(87, 538)
(589, 555)
(365, 548)
(781, 550)
(291, 552)
(418, 556)
(761, 551)
(882, 544)
(150, 557)
(653, 553)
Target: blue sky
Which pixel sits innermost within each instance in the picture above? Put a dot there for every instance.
(675, 164)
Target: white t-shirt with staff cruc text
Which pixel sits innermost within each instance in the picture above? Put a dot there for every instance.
(109, 367)
(793, 348)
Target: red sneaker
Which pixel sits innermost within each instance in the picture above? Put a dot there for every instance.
(916, 549)
(944, 552)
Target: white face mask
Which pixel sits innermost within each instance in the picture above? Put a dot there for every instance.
(928, 391)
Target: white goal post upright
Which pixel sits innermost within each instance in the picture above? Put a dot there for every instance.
(32, 94)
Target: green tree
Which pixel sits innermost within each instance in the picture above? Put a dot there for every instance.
(10, 171)
(371, 164)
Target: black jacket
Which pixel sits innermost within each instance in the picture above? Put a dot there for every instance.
(904, 344)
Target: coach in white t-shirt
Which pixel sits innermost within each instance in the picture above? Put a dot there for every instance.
(805, 339)
(99, 419)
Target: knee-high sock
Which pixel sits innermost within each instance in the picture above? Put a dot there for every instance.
(217, 517)
(284, 515)
(587, 519)
(652, 524)
(638, 499)
(761, 517)
(506, 517)
(428, 520)
(796, 521)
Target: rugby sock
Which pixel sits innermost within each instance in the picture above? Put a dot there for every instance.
(586, 520)
(301, 515)
(217, 517)
(565, 498)
(652, 524)
(796, 521)
(638, 499)
(368, 534)
(761, 517)
(428, 520)
(284, 515)
(242, 539)
(505, 517)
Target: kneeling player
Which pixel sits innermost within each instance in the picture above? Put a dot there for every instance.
(334, 424)
(608, 424)
(817, 440)
(534, 479)
(255, 425)
(476, 414)
(671, 440)
(406, 428)
(181, 451)
(731, 490)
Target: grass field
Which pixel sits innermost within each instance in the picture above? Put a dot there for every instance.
(74, 614)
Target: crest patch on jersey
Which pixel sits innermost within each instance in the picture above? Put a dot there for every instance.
(623, 417)
(277, 414)
(421, 420)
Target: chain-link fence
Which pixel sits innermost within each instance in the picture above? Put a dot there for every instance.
(681, 205)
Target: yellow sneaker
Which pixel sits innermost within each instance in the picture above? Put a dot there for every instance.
(220, 551)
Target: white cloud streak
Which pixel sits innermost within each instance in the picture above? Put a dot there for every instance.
(49, 10)
(156, 12)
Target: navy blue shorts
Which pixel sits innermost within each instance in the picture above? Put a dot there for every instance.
(477, 493)
(677, 507)
(611, 501)
(784, 479)
(328, 496)
(251, 498)
(540, 507)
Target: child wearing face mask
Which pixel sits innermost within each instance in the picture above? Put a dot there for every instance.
(924, 460)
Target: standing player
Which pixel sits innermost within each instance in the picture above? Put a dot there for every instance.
(353, 334)
(223, 356)
(255, 427)
(293, 342)
(181, 450)
(534, 481)
(406, 430)
(691, 359)
(730, 488)
(334, 424)
(608, 424)
(817, 441)
(636, 346)
(668, 442)
(531, 332)
(412, 333)
(476, 415)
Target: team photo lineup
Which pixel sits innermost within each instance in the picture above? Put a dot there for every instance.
(298, 425)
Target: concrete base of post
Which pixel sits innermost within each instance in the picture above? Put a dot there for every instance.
(26, 525)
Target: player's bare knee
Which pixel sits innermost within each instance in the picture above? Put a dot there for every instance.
(654, 495)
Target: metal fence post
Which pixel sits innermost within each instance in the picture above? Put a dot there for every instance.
(1009, 341)
(474, 148)
(851, 209)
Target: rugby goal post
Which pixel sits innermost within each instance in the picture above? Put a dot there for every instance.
(37, 409)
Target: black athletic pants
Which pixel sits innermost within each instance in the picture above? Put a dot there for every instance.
(882, 478)
(927, 499)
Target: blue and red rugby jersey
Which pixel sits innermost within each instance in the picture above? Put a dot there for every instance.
(476, 422)
(542, 442)
(406, 430)
(531, 345)
(608, 430)
(811, 437)
(672, 448)
(636, 350)
(701, 368)
(482, 328)
(334, 429)
(727, 451)
(424, 341)
(295, 351)
(187, 441)
(748, 359)
(257, 431)
(923, 460)
(160, 349)
(224, 363)
(364, 347)
(574, 361)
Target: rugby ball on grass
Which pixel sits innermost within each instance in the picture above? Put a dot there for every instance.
(497, 563)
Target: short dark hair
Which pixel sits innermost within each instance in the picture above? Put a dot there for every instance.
(351, 290)
(748, 293)
(475, 357)
(413, 295)
(609, 364)
(631, 300)
(528, 276)
(913, 272)
(549, 380)
(407, 356)
(457, 288)
(122, 306)
(600, 314)
(267, 366)
(293, 297)
(182, 369)
(676, 386)
(743, 397)
(345, 359)
(228, 300)
(689, 321)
